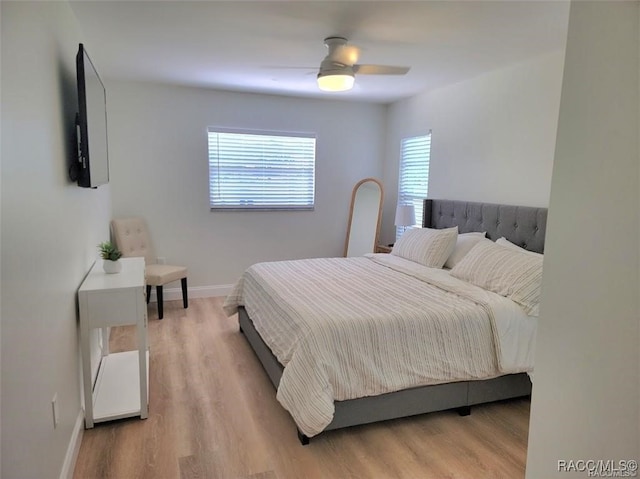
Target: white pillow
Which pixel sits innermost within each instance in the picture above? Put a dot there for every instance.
(514, 274)
(464, 243)
(429, 247)
(505, 242)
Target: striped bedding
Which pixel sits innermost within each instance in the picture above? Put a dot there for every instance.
(352, 327)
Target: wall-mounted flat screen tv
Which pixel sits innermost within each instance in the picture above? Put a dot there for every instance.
(92, 168)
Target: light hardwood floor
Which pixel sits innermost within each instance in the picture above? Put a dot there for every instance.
(213, 414)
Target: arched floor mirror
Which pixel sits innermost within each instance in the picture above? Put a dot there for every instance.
(365, 216)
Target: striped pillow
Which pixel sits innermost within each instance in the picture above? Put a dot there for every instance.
(430, 247)
(505, 242)
(508, 272)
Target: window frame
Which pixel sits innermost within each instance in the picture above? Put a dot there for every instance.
(310, 192)
(411, 197)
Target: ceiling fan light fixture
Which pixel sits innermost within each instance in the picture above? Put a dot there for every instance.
(336, 81)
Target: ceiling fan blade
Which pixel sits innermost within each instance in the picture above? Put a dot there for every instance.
(380, 70)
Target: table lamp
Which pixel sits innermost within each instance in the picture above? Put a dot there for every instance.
(405, 216)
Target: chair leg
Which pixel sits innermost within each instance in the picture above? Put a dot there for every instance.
(159, 295)
(185, 300)
(148, 293)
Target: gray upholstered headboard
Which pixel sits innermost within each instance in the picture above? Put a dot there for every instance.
(522, 225)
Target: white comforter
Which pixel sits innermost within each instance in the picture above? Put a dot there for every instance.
(354, 327)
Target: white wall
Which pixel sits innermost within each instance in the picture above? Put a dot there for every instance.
(586, 401)
(493, 136)
(50, 229)
(159, 170)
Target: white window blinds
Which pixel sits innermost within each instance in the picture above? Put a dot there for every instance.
(414, 174)
(254, 170)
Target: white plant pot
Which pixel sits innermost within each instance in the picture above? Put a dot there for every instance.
(111, 267)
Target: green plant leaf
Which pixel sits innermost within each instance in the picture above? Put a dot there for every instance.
(109, 251)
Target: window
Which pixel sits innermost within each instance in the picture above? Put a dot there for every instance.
(257, 170)
(413, 183)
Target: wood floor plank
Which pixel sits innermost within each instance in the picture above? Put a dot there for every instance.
(213, 414)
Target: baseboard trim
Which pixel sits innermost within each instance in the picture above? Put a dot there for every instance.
(73, 449)
(172, 294)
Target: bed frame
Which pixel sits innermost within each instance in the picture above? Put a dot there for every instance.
(522, 225)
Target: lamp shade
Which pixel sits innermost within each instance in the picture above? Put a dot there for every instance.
(336, 82)
(405, 215)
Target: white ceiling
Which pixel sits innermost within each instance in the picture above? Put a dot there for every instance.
(251, 45)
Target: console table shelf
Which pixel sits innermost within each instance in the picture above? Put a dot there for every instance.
(121, 386)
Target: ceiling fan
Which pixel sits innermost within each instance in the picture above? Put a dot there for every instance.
(338, 69)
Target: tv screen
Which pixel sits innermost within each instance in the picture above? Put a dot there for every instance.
(91, 124)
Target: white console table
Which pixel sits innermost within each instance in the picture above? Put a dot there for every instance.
(121, 386)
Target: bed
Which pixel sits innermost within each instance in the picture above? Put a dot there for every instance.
(469, 378)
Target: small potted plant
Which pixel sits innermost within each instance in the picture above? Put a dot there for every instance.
(110, 254)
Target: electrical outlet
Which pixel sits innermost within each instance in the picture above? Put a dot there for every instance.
(161, 260)
(54, 410)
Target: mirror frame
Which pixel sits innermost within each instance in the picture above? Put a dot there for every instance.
(353, 199)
